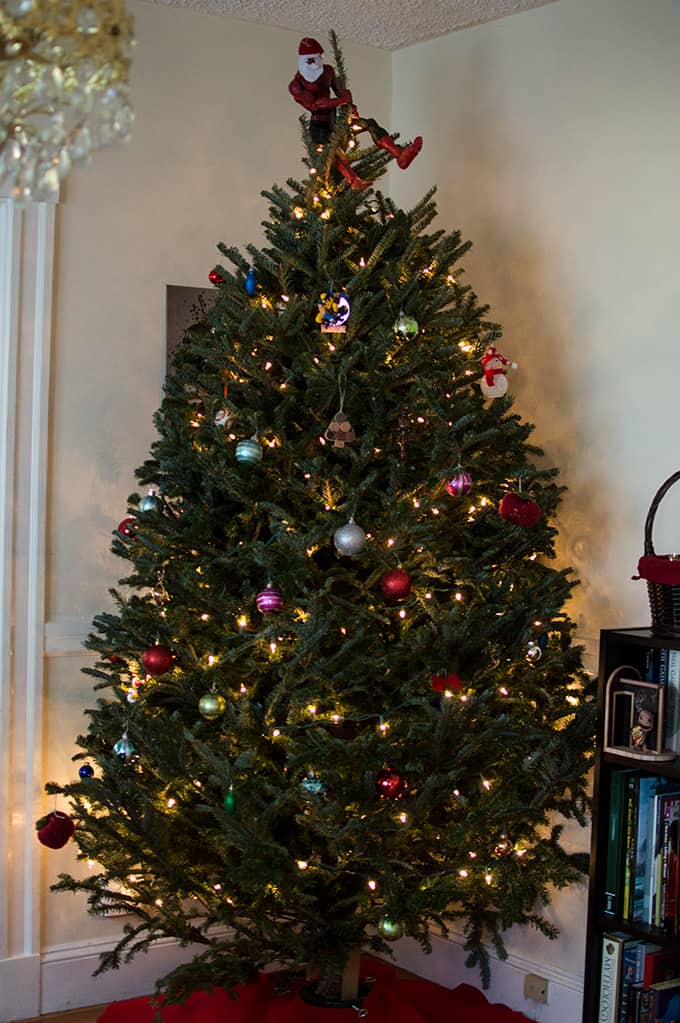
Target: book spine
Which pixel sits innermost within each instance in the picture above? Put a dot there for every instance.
(615, 846)
(610, 972)
(630, 845)
(631, 970)
(672, 723)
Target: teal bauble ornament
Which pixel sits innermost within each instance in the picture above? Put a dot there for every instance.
(151, 504)
(249, 451)
(390, 930)
(125, 750)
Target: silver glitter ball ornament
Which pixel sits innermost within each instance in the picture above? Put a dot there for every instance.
(349, 539)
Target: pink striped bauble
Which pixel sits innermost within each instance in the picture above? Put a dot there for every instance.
(460, 482)
(269, 600)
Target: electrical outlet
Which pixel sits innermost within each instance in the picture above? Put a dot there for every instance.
(536, 988)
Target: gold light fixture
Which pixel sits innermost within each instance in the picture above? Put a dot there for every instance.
(63, 88)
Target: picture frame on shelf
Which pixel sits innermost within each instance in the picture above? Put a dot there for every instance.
(634, 717)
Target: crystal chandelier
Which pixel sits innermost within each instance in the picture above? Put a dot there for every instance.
(63, 88)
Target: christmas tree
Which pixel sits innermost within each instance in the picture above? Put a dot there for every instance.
(339, 698)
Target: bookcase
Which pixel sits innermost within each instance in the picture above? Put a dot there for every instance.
(633, 897)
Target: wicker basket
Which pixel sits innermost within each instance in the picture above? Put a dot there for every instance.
(661, 572)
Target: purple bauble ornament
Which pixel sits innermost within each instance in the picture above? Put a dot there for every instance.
(460, 482)
(269, 600)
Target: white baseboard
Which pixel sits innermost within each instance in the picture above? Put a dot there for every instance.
(446, 966)
(61, 980)
(19, 988)
(67, 982)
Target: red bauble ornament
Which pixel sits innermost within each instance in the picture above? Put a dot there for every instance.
(269, 601)
(440, 683)
(396, 584)
(460, 482)
(157, 659)
(215, 278)
(523, 511)
(125, 528)
(55, 829)
(390, 784)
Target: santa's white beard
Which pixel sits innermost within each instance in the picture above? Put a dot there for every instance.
(310, 72)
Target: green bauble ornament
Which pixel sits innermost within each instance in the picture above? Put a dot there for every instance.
(390, 930)
(405, 326)
(230, 801)
(212, 705)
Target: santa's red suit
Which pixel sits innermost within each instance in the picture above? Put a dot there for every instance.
(316, 97)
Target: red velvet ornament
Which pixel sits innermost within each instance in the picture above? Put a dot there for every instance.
(125, 528)
(390, 784)
(523, 511)
(440, 683)
(55, 829)
(157, 659)
(396, 584)
(215, 278)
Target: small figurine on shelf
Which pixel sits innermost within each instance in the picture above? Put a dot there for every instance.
(312, 88)
(642, 728)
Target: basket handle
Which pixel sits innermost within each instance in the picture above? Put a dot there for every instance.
(649, 521)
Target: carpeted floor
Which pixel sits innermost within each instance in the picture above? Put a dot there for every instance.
(392, 999)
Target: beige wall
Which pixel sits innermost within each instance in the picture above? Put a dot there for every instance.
(552, 138)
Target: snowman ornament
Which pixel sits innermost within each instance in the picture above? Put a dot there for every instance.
(494, 383)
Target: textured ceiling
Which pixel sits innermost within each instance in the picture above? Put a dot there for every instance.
(387, 24)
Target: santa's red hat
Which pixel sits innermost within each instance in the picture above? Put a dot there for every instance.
(309, 46)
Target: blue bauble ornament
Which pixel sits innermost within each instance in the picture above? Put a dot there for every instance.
(249, 451)
(86, 771)
(251, 282)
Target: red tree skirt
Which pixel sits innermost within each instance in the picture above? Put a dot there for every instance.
(391, 1000)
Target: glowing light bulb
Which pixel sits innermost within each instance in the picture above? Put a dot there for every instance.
(242, 688)
(302, 864)
(276, 733)
(463, 873)
(372, 885)
(171, 802)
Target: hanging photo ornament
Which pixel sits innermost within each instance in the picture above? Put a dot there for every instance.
(249, 451)
(460, 482)
(333, 312)
(494, 383)
(349, 539)
(405, 326)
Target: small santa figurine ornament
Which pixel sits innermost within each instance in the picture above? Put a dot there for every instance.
(494, 383)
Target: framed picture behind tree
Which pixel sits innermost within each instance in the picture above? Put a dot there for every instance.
(185, 308)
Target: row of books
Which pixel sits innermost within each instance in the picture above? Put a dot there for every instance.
(641, 876)
(639, 981)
